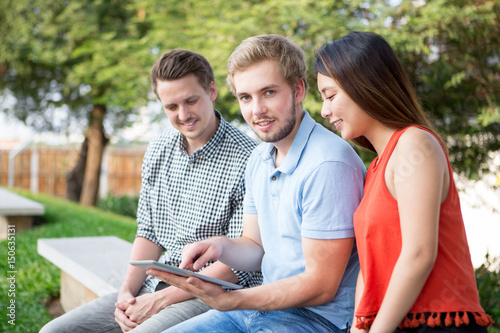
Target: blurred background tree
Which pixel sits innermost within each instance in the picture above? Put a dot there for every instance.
(92, 59)
(451, 49)
(82, 56)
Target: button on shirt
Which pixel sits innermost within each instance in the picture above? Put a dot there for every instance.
(312, 194)
(187, 198)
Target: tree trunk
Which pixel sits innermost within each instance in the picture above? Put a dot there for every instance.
(96, 143)
(4, 67)
(74, 178)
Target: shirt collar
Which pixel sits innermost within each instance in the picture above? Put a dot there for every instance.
(209, 148)
(298, 145)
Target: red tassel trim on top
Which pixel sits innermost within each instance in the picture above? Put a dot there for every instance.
(433, 319)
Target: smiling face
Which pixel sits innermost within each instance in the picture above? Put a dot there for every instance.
(189, 108)
(341, 110)
(267, 102)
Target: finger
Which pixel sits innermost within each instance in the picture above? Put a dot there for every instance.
(190, 253)
(172, 279)
(186, 265)
(202, 260)
(201, 288)
(125, 301)
(195, 282)
(196, 255)
(125, 323)
(122, 305)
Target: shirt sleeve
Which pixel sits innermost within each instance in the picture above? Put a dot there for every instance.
(330, 196)
(144, 211)
(248, 202)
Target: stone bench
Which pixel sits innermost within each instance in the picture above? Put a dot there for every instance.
(90, 266)
(18, 211)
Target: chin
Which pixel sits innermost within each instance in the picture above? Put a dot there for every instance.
(346, 136)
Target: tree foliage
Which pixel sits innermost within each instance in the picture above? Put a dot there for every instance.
(82, 53)
(71, 53)
(78, 55)
(452, 52)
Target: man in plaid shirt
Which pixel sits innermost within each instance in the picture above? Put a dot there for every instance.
(192, 189)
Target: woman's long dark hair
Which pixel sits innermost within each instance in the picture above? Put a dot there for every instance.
(367, 69)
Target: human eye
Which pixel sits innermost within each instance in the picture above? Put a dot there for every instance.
(270, 92)
(244, 98)
(331, 97)
(170, 107)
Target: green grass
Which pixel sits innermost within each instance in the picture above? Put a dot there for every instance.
(37, 280)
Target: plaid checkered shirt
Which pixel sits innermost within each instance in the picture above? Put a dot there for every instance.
(187, 198)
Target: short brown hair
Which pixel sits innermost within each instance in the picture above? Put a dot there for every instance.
(288, 55)
(177, 63)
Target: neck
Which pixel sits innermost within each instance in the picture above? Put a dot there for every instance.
(379, 137)
(284, 144)
(195, 144)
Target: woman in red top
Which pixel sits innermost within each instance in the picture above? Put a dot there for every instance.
(416, 273)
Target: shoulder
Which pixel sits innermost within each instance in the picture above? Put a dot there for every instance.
(326, 146)
(262, 154)
(417, 159)
(416, 142)
(235, 139)
(323, 139)
(163, 139)
(159, 143)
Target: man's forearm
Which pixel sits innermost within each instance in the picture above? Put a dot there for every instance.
(316, 285)
(292, 292)
(242, 254)
(142, 249)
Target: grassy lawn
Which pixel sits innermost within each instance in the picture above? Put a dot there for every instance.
(37, 280)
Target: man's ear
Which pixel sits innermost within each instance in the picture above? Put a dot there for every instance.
(300, 91)
(213, 91)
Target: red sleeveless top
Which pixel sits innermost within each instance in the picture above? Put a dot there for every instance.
(451, 286)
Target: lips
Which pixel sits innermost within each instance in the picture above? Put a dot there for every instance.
(263, 124)
(337, 123)
(190, 124)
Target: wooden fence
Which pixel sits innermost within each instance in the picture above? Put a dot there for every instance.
(124, 171)
(44, 170)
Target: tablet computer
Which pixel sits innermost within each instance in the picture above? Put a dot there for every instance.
(147, 264)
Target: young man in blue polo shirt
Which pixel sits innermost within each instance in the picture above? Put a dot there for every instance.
(303, 184)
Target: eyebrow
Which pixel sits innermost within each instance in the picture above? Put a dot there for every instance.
(268, 87)
(184, 100)
(326, 88)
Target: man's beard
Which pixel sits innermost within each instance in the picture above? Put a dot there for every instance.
(282, 132)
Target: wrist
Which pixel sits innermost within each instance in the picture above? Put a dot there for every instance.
(161, 298)
(125, 289)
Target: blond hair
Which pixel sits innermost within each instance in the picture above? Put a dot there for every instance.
(289, 57)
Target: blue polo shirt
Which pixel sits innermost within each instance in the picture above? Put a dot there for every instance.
(312, 194)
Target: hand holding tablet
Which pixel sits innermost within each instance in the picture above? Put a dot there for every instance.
(147, 264)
